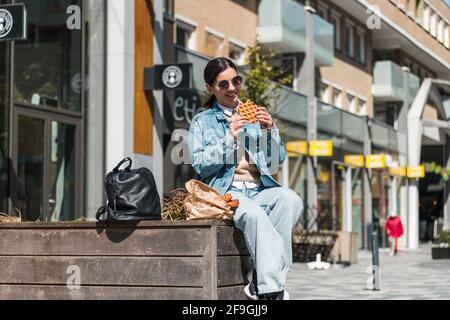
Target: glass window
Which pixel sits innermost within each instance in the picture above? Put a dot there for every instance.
(336, 22)
(169, 8)
(440, 31)
(322, 11)
(426, 18)
(30, 168)
(48, 65)
(185, 36)
(62, 171)
(361, 47)
(433, 24)
(349, 37)
(447, 36)
(323, 92)
(5, 161)
(236, 53)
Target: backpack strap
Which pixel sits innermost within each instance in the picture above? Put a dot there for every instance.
(101, 214)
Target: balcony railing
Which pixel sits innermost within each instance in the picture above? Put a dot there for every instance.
(292, 106)
(336, 121)
(386, 137)
(282, 27)
(389, 81)
(323, 42)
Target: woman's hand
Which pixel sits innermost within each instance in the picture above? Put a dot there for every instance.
(264, 118)
(237, 122)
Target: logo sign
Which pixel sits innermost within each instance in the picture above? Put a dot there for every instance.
(168, 77)
(375, 161)
(399, 171)
(415, 172)
(172, 76)
(295, 148)
(355, 160)
(321, 148)
(13, 22)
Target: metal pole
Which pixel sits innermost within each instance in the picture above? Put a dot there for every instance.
(371, 222)
(307, 82)
(402, 127)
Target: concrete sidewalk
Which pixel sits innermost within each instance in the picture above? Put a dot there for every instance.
(412, 274)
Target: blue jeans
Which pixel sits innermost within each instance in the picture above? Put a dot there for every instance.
(267, 216)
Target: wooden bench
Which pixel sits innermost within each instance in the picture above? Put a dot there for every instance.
(147, 260)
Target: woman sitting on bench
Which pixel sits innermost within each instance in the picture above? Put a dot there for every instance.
(238, 157)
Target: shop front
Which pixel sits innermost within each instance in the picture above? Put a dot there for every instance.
(49, 126)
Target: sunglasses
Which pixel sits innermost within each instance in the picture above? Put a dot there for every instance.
(225, 84)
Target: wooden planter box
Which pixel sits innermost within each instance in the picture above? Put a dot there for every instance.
(440, 253)
(147, 260)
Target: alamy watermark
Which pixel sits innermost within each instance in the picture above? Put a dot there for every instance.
(373, 22)
(203, 148)
(374, 280)
(73, 21)
(74, 280)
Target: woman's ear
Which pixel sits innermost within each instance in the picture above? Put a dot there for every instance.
(209, 88)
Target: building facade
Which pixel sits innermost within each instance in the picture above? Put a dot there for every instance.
(369, 75)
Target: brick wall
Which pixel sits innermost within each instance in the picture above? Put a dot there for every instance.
(234, 19)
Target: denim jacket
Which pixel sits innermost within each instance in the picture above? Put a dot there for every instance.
(213, 150)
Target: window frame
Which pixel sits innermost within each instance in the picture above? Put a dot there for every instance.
(350, 42)
(337, 31)
(322, 7)
(188, 26)
(426, 17)
(447, 36)
(360, 33)
(238, 44)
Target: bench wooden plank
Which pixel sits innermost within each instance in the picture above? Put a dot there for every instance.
(188, 241)
(230, 241)
(44, 292)
(139, 271)
(231, 270)
(146, 260)
(231, 293)
(110, 225)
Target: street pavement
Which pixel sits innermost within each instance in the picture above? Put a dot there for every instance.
(412, 274)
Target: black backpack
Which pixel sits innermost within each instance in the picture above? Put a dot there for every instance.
(131, 195)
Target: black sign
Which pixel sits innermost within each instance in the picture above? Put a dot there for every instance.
(13, 22)
(168, 77)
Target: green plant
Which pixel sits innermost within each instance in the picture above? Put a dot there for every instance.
(444, 237)
(259, 75)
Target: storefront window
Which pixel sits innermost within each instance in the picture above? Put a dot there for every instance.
(5, 161)
(324, 214)
(357, 212)
(48, 65)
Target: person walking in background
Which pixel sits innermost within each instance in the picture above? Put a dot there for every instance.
(394, 229)
(267, 212)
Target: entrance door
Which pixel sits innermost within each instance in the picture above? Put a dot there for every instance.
(47, 162)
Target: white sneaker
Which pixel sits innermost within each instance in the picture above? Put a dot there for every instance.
(250, 291)
(286, 295)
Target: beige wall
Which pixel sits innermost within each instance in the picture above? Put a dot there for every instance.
(237, 19)
(351, 79)
(398, 16)
(346, 73)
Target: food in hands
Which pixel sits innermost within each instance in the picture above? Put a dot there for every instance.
(248, 110)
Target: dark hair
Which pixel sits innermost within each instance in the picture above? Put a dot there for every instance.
(212, 70)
